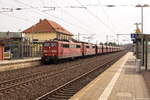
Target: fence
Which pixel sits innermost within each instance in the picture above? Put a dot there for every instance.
(19, 48)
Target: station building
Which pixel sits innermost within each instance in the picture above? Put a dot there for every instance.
(47, 30)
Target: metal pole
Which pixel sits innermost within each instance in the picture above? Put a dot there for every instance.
(21, 46)
(106, 39)
(142, 51)
(146, 52)
(142, 20)
(118, 39)
(142, 41)
(78, 36)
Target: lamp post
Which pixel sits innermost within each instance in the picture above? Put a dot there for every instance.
(142, 6)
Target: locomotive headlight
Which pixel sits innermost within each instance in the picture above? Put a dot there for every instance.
(46, 54)
(53, 50)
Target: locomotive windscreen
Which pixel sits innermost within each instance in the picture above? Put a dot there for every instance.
(51, 44)
(46, 44)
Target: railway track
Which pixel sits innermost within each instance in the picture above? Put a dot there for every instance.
(11, 74)
(4, 86)
(67, 90)
(32, 85)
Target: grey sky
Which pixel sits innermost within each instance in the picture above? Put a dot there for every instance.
(99, 20)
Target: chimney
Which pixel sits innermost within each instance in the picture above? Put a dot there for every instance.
(40, 20)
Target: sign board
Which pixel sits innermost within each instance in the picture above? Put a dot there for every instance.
(134, 40)
(133, 35)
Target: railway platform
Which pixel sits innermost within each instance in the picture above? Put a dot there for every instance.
(18, 60)
(119, 82)
(19, 63)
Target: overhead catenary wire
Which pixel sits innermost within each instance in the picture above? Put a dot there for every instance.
(43, 7)
(16, 17)
(71, 6)
(38, 10)
(79, 21)
(42, 12)
(42, 2)
(61, 19)
(107, 26)
(108, 17)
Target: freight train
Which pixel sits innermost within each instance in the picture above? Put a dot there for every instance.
(57, 50)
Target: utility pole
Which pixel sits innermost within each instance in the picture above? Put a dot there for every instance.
(142, 6)
(87, 37)
(118, 39)
(142, 19)
(96, 41)
(78, 36)
(106, 39)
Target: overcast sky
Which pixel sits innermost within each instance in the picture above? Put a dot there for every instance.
(96, 19)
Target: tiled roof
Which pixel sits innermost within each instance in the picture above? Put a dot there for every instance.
(47, 26)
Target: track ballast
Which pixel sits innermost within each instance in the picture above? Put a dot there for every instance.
(54, 82)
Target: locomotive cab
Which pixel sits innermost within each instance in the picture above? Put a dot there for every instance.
(50, 51)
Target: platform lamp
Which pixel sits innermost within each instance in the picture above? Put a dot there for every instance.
(142, 6)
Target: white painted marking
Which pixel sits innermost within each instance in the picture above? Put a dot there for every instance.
(106, 93)
(124, 94)
(141, 98)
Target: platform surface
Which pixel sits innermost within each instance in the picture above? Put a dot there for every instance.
(3, 62)
(6, 65)
(119, 82)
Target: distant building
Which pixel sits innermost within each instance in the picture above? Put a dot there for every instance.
(47, 30)
(8, 35)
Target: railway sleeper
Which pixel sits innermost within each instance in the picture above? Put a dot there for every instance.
(60, 97)
(64, 94)
(68, 90)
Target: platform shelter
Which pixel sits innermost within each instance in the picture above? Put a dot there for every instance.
(142, 49)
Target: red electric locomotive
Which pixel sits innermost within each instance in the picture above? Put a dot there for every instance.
(56, 50)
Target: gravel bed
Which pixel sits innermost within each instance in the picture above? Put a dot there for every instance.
(32, 90)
